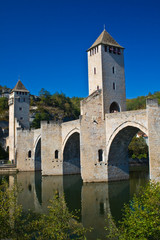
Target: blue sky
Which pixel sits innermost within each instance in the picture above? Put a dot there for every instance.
(44, 43)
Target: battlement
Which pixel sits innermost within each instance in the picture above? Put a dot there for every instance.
(151, 102)
(51, 122)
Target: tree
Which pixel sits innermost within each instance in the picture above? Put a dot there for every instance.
(138, 148)
(141, 217)
(16, 225)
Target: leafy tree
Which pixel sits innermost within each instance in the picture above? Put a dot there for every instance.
(138, 148)
(141, 217)
(3, 104)
(40, 117)
(59, 223)
(16, 225)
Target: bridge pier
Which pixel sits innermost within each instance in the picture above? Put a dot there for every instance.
(153, 113)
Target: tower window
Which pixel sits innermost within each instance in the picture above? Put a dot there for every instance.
(100, 155)
(110, 49)
(56, 154)
(114, 50)
(24, 99)
(114, 86)
(113, 70)
(21, 118)
(20, 109)
(119, 51)
(29, 154)
(25, 93)
(94, 70)
(18, 99)
(105, 48)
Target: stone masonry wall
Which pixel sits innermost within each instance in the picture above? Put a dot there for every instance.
(95, 70)
(50, 142)
(116, 76)
(25, 143)
(92, 139)
(153, 112)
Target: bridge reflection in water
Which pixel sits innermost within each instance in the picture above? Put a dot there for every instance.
(94, 200)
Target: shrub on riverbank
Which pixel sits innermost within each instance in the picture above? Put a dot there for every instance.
(141, 217)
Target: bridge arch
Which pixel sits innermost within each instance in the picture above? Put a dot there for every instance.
(71, 153)
(117, 149)
(74, 130)
(37, 154)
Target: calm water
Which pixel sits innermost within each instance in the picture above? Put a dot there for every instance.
(94, 200)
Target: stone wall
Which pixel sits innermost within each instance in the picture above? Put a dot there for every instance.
(25, 143)
(153, 112)
(95, 70)
(113, 72)
(92, 139)
(51, 141)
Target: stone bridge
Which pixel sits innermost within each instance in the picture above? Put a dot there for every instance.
(96, 148)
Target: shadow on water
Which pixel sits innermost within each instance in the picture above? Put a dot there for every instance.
(38, 186)
(72, 185)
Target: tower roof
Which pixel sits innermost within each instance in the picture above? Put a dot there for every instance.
(106, 39)
(19, 87)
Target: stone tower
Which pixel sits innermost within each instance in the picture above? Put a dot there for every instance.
(18, 115)
(106, 72)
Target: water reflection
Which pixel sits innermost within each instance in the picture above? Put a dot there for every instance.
(94, 200)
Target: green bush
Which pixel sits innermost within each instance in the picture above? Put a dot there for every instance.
(17, 225)
(141, 217)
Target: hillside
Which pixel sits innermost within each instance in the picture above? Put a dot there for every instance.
(59, 107)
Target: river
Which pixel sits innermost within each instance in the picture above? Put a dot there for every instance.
(93, 200)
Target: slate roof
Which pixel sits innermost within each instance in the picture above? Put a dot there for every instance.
(106, 39)
(19, 87)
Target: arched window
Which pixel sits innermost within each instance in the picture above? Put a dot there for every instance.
(100, 155)
(114, 108)
(29, 154)
(56, 154)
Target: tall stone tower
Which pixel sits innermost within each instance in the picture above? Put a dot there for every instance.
(18, 115)
(106, 72)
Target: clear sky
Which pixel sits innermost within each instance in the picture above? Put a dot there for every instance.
(44, 43)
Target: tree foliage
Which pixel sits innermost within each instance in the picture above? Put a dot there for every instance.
(16, 225)
(138, 148)
(3, 108)
(141, 217)
(55, 107)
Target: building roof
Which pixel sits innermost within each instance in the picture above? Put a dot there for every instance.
(19, 87)
(106, 39)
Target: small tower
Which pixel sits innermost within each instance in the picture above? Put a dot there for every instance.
(106, 72)
(18, 115)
